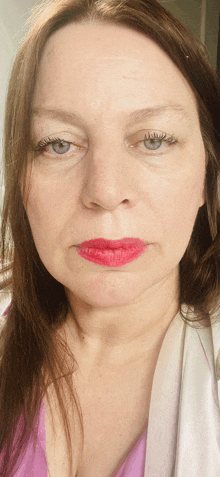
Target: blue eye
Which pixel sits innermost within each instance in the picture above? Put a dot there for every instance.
(153, 141)
(60, 147)
(57, 146)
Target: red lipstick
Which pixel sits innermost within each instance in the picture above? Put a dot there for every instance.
(111, 253)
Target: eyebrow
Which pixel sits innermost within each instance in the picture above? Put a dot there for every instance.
(142, 114)
(64, 116)
(134, 118)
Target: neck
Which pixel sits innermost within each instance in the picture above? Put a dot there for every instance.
(125, 332)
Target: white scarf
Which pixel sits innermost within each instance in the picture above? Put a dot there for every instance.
(183, 436)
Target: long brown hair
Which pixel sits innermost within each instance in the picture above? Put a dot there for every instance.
(32, 356)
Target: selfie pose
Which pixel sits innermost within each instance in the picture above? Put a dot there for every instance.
(109, 345)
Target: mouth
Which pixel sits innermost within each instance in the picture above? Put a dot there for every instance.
(111, 253)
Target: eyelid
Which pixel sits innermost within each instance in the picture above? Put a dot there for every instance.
(65, 135)
(152, 133)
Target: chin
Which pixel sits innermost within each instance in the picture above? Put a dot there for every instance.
(107, 301)
(106, 293)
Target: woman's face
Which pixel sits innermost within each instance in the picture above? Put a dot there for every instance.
(131, 164)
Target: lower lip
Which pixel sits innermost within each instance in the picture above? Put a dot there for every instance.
(111, 257)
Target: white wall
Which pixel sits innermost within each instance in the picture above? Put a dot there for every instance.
(13, 16)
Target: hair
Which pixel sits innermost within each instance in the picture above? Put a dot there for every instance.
(33, 355)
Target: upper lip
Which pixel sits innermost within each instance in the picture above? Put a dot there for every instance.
(113, 244)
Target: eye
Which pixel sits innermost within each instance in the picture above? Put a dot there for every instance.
(61, 147)
(153, 141)
(57, 146)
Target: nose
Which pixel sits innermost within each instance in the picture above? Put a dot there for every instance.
(108, 179)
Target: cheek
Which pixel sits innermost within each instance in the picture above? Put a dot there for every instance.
(44, 211)
(51, 210)
(48, 201)
(180, 208)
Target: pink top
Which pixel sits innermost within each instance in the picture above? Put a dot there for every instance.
(34, 462)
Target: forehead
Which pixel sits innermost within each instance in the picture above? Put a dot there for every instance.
(108, 66)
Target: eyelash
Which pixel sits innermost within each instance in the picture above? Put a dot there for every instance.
(41, 146)
(46, 142)
(161, 136)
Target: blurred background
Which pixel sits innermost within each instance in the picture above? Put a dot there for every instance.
(201, 17)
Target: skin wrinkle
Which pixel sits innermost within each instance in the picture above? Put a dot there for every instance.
(112, 191)
(136, 116)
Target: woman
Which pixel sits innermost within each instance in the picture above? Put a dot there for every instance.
(109, 358)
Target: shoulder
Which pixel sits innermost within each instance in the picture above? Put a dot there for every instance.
(210, 340)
